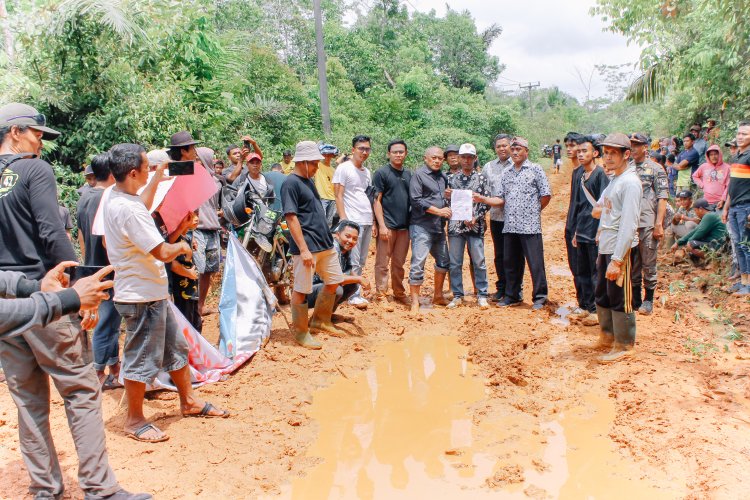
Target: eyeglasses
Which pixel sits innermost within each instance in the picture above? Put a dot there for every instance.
(363, 149)
(39, 119)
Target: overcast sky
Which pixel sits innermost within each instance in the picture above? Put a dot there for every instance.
(544, 40)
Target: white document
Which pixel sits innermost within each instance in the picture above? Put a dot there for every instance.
(461, 205)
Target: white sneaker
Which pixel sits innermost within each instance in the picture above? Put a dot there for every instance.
(457, 301)
(483, 304)
(359, 302)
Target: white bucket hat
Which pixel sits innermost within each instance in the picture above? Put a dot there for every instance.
(307, 151)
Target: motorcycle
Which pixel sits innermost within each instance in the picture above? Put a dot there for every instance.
(265, 235)
(547, 151)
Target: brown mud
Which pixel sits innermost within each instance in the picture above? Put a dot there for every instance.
(457, 404)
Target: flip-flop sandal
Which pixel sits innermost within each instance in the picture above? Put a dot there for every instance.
(110, 382)
(205, 412)
(140, 432)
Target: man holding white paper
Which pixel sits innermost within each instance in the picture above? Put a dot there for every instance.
(467, 189)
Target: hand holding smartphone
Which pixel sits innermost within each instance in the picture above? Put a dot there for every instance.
(181, 167)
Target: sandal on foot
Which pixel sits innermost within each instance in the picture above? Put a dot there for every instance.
(110, 382)
(205, 412)
(140, 432)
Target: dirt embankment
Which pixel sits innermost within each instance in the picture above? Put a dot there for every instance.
(678, 410)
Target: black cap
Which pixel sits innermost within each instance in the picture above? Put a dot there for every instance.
(287, 152)
(24, 115)
(639, 138)
(704, 204)
(450, 148)
(684, 194)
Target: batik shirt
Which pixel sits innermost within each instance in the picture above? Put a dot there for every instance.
(523, 189)
(493, 170)
(477, 183)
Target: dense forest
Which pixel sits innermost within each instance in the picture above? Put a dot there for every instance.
(108, 71)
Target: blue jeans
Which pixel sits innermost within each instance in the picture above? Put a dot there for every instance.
(736, 221)
(424, 243)
(456, 245)
(329, 206)
(106, 336)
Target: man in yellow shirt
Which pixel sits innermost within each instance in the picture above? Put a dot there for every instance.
(286, 163)
(323, 180)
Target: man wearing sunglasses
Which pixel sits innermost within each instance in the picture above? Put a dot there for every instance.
(33, 241)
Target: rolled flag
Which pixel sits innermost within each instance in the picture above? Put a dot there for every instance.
(246, 304)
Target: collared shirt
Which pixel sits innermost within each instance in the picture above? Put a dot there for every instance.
(476, 183)
(522, 189)
(492, 171)
(655, 186)
(621, 202)
(427, 189)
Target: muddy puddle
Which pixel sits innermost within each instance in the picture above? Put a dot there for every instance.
(404, 429)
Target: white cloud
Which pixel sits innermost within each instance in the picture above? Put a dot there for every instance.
(545, 40)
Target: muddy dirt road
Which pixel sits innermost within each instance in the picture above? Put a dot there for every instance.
(457, 404)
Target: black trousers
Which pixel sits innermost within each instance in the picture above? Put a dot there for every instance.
(518, 248)
(586, 255)
(608, 294)
(496, 229)
(573, 265)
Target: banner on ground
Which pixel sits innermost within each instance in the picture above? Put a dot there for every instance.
(246, 305)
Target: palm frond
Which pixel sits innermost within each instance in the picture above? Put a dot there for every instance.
(650, 86)
(109, 13)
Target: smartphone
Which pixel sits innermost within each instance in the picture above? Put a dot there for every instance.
(247, 145)
(181, 167)
(79, 272)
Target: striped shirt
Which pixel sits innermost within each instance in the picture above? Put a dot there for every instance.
(739, 179)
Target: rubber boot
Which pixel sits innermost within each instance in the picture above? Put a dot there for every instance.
(299, 327)
(637, 298)
(624, 327)
(321, 318)
(607, 332)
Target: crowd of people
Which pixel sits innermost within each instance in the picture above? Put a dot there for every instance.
(334, 205)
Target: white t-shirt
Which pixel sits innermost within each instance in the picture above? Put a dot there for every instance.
(130, 234)
(355, 181)
(261, 186)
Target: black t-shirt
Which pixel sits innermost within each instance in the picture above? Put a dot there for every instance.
(394, 184)
(96, 254)
(574, 181)
(739, 179)
(185, 287)
(32, 236)
(299, 197)
(556, 150)
(585, 225)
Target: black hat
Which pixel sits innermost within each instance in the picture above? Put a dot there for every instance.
(182, 139)
(731, 144)
(24, 115)
(287, 152)
(450, 148)
(684, 194)
(704, 204)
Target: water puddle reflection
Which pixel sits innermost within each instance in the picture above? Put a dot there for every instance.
(404, 429)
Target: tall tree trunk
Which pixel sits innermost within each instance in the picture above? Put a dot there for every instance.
(7, 33)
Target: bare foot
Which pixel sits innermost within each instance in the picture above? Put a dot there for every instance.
(440, 301)
(207, 311)
(414, 308)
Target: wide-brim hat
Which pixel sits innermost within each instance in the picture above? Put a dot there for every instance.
(24, 115)
(616, 140)
(182, 139)
(307, 151)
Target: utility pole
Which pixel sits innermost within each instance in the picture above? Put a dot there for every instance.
(529, 86)
(322, 78)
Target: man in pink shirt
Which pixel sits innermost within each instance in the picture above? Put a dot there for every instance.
(713, 177)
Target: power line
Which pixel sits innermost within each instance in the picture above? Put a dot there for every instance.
(528, 86)
(509, 79)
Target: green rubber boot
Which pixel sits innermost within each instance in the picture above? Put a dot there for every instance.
(321, 318)
(607, 332)
(624, 326)
(299, 328)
